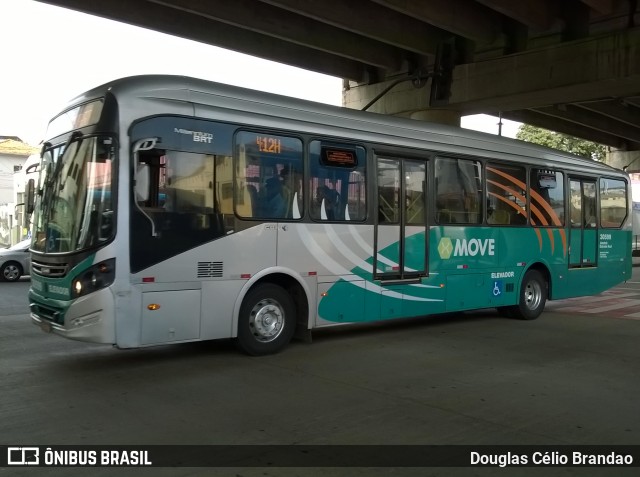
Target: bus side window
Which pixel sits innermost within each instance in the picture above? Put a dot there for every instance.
(590, 220)
(268, 176)
(337, 182)
(458, 191)
(188, 192)
(506, 194)
(547, 198)
(613, 202)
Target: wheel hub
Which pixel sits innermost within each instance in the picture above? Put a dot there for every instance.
(533, 295)
(267, 320)
(11, 272)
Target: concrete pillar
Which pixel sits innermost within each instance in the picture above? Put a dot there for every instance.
(403, 100)
(628, 160)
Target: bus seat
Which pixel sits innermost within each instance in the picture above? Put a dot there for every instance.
(296, 209)
(499, 217)
(253, 197)
(287, 196)
(444, 216)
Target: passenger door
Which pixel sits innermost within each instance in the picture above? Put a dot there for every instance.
(400, 233)
(584, 223)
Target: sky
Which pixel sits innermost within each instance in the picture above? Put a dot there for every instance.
(51, 54)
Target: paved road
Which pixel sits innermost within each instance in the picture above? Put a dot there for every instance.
(621, 302)
(570, 377)
(13, 297)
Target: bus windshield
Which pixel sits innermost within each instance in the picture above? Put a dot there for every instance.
(77, 210)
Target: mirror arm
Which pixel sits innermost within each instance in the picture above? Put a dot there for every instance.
(143, 145)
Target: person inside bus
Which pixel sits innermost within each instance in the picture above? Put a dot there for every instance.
(274, 203)
(327, 199)
(291, 190)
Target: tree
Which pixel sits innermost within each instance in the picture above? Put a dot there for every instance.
(562, 142)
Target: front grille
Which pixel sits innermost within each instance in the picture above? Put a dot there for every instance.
(50, 270)
(209, 269)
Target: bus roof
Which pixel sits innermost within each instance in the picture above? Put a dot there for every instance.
(210, 100)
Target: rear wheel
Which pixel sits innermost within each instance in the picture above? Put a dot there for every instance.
(10, 272)
(267, 320)
(533, 296)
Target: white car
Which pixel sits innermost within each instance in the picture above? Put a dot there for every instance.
(15, 261)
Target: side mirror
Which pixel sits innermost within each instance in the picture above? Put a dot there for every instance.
(143, 177)
(142, 172)
(142, 182)
(29, 199)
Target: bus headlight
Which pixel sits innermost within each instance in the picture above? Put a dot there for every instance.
(97, 277)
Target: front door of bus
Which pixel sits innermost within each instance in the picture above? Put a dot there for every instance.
(583, 233)
(400, 235)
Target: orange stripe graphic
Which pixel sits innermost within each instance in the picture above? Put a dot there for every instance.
(545, 205)
(521, 210)
(512, 192)
(549, 232)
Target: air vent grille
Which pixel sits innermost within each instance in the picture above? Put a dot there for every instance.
(209, 269)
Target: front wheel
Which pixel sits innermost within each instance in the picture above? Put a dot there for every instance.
(11, 272)
(533, 296)
(267, 320)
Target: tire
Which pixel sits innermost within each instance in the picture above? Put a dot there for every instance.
(267, 320)
(10, 272)
(533, 296)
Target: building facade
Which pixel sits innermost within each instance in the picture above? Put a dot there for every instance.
(13, 155)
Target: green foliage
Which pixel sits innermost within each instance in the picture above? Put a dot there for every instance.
(562, 142)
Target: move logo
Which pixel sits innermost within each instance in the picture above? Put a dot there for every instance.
(465, 248)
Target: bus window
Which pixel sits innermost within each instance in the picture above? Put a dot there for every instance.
(268, 176)
(187, 190)
(613, 202)
(337, 181)
(589, 189)
(547, 198)
(415, 188)
(576, 204)
(388, 192)
(458, 191)
(506, 195)
(189, 203)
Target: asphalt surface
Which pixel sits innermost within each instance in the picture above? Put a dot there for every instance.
(473, 378)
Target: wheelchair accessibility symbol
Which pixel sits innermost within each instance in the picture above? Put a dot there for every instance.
(497, 288)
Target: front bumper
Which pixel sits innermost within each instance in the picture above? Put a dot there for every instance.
(89, 318)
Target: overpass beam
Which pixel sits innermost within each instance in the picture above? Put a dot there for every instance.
(571, 72)
(566, 73)
(460, 17)
(370, 20)
(440, 116)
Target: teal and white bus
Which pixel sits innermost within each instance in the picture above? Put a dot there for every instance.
(171, 209)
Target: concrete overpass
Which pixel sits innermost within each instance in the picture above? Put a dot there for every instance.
(572, 66)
